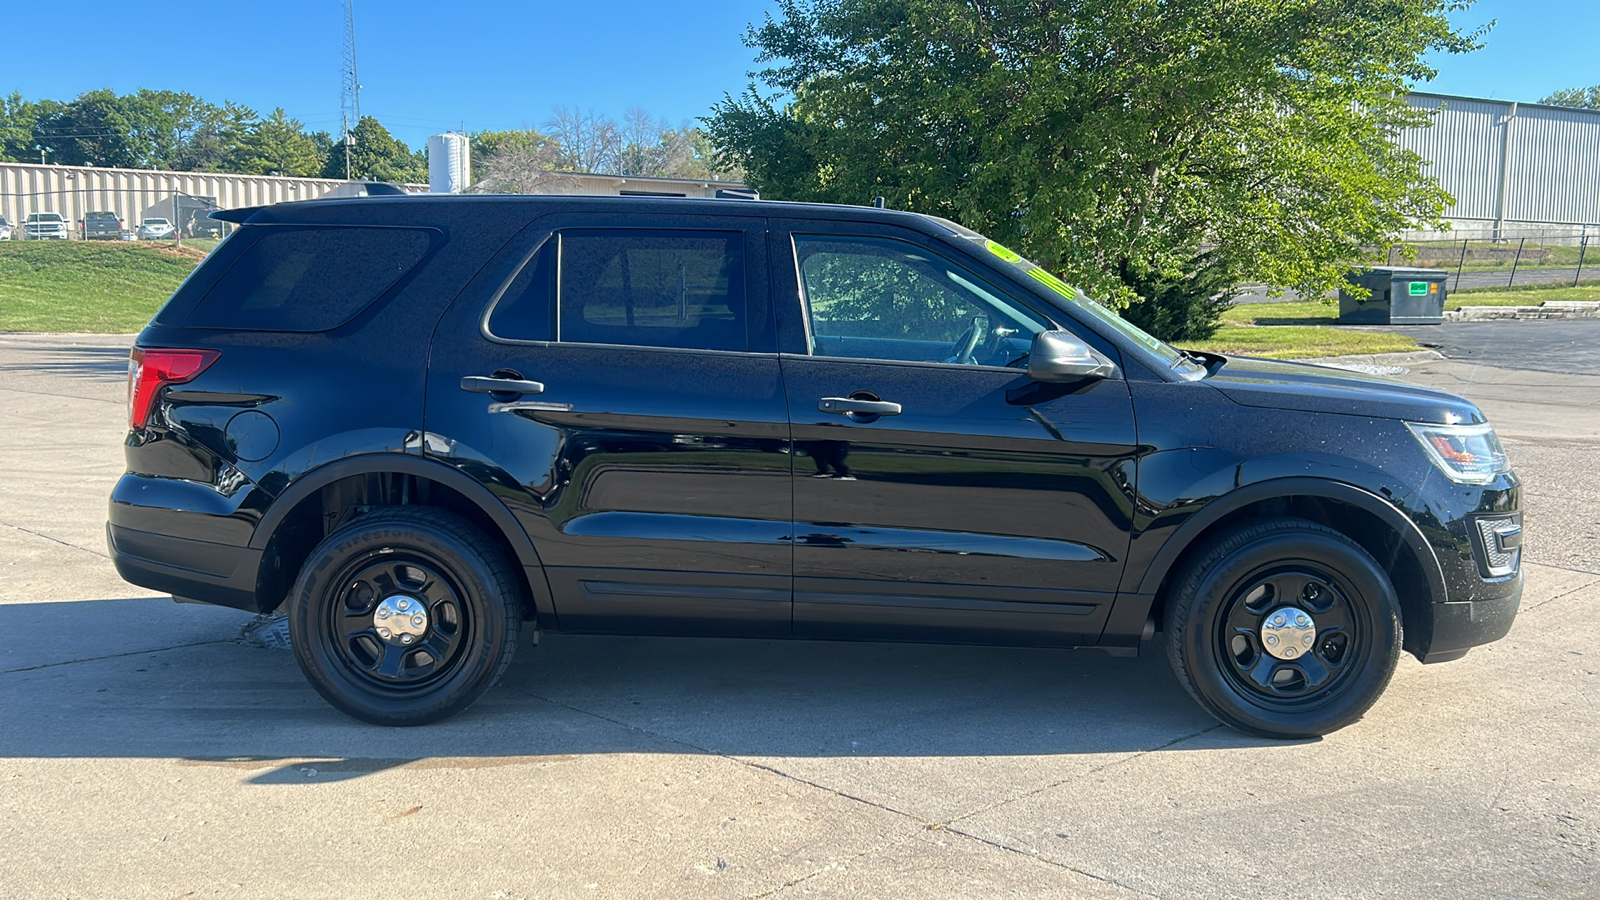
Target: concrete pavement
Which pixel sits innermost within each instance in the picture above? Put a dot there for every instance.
(146, 753)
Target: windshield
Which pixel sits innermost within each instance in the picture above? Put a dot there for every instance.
(1176, 360)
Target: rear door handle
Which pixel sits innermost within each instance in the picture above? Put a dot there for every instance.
(484, 384)
(846, 405)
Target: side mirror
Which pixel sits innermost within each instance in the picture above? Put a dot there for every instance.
(1058, 356)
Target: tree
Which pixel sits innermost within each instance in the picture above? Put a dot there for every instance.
(279, 145)
(519, 161)
(588, 142)
(17, 120)
(1157, 152)
(1581, 98)
(376, 155)
(96, 129)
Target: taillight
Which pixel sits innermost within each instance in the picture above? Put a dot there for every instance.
(150, 369)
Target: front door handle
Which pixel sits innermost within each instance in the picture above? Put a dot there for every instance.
(845, 405)
(484, 384)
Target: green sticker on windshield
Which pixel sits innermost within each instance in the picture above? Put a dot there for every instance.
(1053, 283)
(1002, 252)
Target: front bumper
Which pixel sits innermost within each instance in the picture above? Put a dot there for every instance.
(1458, 627)
(1478, 604)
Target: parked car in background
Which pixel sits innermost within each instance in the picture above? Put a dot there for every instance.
(155, 230)
(191, 215)
(45, 226)
(5, 229)
(100, 226)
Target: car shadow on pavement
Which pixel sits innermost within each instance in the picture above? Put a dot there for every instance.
(73, 362)
(206, 699)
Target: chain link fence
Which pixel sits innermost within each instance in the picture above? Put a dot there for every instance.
(1484, 260)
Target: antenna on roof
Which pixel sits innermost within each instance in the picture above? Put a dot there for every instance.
(877, 203)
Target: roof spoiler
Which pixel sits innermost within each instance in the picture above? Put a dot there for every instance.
(236, 216)
(369, 189)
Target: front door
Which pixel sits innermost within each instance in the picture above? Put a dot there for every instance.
(623, 396)
(939, 494)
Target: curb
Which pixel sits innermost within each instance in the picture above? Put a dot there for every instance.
(1550, 309)
(1375, 359)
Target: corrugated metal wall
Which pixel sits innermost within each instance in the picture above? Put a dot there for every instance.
(1510, 162)
(136, 193)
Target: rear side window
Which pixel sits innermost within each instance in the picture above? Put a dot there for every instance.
(682, 289)
(310, 278)
(524, 311)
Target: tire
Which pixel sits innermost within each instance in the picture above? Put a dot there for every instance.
(1224, 609)
(373, 575)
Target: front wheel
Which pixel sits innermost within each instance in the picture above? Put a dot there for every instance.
(405, 616)
(1283, 628)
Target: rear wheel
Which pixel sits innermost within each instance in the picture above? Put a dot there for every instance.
(1283, 628)
(405, 616)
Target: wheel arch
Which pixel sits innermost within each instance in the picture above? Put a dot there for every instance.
(298, 518)
(1379, 527)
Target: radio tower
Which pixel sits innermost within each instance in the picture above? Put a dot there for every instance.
(350, 86)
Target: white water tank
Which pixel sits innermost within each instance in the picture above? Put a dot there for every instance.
(449, 163)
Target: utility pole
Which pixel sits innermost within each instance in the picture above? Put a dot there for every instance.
(350, 86)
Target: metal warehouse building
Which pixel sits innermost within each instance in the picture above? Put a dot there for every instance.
(1512, 166)
(135, 194)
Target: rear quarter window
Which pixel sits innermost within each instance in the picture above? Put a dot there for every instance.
(308, 278)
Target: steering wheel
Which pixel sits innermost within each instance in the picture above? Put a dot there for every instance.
(966, 346)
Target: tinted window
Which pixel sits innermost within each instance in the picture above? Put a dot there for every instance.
(653, 288)
(310, 279)
(878, 298)
(525, 311)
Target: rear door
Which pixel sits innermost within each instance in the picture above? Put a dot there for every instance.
(619, 388)
(939, 493)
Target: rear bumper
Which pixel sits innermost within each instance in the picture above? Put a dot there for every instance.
(183, 538)
(1458, 627)
(194, 570)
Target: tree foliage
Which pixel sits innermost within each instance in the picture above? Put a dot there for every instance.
(1155, 151)
(376, 155)
(529, 160)
(175, 130)
(150, 129)
(279, 145)
(1581, 98)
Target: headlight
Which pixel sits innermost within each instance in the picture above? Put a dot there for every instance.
(1469, 454)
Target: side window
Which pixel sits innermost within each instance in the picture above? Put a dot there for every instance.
(526, 311)
(310, 278)
(650, 288)
(880, 298)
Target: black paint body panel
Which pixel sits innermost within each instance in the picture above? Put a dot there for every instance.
(662, 491)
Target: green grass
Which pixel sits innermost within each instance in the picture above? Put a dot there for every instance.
(1300, 341)
(87, 286)
(1299, 329)
(1312, 312)
(1523, 295)
(1294, 330)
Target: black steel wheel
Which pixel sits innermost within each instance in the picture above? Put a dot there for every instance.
(405, 616)
(1283, 628)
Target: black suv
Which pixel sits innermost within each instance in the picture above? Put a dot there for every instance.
(423, 424)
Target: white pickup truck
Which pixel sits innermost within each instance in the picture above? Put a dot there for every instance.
(45, 226)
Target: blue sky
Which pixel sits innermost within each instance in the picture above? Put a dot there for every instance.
(428, 67)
